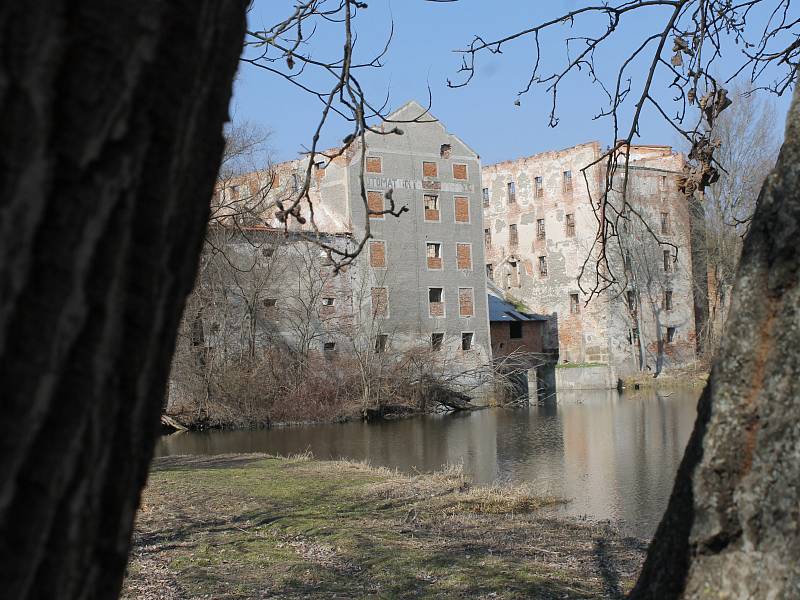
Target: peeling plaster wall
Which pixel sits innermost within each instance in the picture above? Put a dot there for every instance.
(597, 332)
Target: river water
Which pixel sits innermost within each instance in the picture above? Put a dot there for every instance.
(613, 456)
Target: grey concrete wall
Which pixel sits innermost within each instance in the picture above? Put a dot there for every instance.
(594, 377)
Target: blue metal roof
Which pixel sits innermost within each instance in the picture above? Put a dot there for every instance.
(500, 310)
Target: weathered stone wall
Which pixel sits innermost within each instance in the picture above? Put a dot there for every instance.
(555, 232)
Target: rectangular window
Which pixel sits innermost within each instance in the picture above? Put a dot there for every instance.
(628, 263)
(567, 185)
(662, 183)
(433, 254)
(513, 237)
(270, 302)
(515, 330)
(512, 192)
(374, 164)
(329, 346)
(461, 209)
(375, 204)
(574, 304)
(538, 187)
(487, 238)
(485, 193)
(380, 302)
(543, 266)
(666, 226)
(464, 257)
(490, 272)
(430, 169)
(436, 341)
(466, 302)
(380, 343)
(466, 341)
(667, 261)
(444, 150)
(540, 233)
(459, 171)
(570, 223)
(295, 182)
(667, 299)
(377, 254)
(670, 334)
(436, 302)
(328, 301)
(431, 207)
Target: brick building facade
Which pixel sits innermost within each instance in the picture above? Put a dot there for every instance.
(540, 227)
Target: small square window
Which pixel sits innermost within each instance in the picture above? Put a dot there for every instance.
(270, 302)
(515, 330)
(436, 341)
(329, 346)
(444, 150)
(328, 301)
(466, 341)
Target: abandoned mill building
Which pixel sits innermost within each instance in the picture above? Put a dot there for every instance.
(539, 229)
(419, 281)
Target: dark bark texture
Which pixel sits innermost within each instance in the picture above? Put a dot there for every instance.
(732, 527)
(111, 120)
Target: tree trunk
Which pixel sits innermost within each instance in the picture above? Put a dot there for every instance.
(111, 133)
(732, 527)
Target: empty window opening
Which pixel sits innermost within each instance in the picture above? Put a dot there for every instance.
(328, 301)
(485, 193)
(543, 266)
(380, 342)
(633, 336)
(374, 164)
(513, 236)
(430, 169)
(667, 261)
(490, 272)
(329, 346)
(270, 302)
(570, 224)
(436, 302)
(487, 238)
(540, 233)
(666, 226)
(628, 261)
(515, 330)
(512, 192)
(295, 182)
(567, 181)
(444, 150)
(433, 254)
(460, 171)
(632, 301)
(466, 341)
(667, 299)
(431, 207)
(574, 304)
(436, 341)
(538, 187)
(670, 334)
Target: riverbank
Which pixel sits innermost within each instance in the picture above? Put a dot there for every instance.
(251, 526)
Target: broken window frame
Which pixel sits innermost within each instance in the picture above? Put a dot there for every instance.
(569, 224)
(441, 301)
(437, 341)
(437, 248)
(543, 266)
(566, 181)
(434, 198)
(485, 197)
(538, 187)
(541, 233)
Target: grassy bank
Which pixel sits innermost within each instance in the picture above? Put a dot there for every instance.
(260, 527)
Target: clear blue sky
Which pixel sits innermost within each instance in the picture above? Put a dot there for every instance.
(421, 55)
